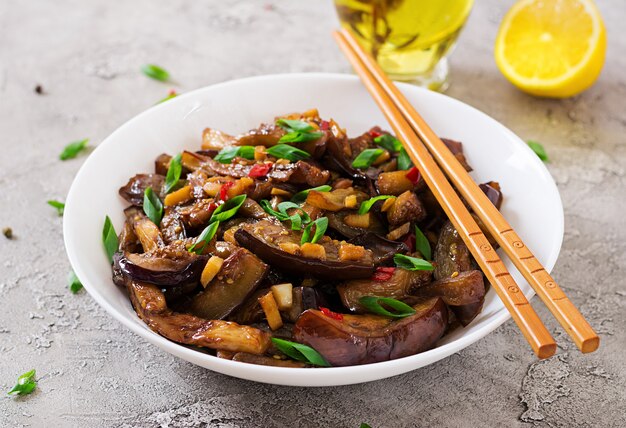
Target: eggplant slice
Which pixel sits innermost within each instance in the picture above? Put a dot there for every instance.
(149, 303)
(365, 339)
(261, 239)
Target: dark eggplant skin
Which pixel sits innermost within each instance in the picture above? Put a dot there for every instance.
(451, 254)
(382, 249)
(366, 339)
(162, 271)
(493, 192)
(133, 190)
(240, 275)
(402, 284)
(325, 269)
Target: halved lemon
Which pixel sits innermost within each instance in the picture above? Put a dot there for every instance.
(551, 48)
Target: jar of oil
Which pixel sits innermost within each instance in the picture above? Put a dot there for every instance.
(409, 38)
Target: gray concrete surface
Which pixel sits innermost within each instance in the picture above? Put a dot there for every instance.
(92, 372)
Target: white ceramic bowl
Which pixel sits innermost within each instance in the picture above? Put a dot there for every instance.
(532, 203)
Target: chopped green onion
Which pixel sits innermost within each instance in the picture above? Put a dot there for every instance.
(285, 151)
(170, 95)
(109, 238)
(152, 206)
(298, 131)
(267, 206)
(74, 283)
(228, 209)
(60, 206)
(422, 244)
(321, 224)
(300, 137)
(375, 304)
(403, 160)
(364, 425)
(26, 384)
(300, 197)
(538, 149)
(366, 158)
(388, 142)
(204, 238)
(227, 154)
(367, 205)
(294, 125)
(173, 173)
(300, 352)
(411, 263)
(73, 149)
(297, 219)
(155, 72)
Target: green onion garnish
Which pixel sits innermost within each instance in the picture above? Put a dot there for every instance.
(297, 219)
(300, 352)
(388, 142)
(227, 154)
(173, 173)
(155, 72)
(375, 304)
(26, 384)
(321, 224)
(422, 244)
(300, 197)
(366, 158)
(60, 206)
(411, 263)
(538, 149)
(74, 283)
(204, 238)
(227, 209)
(298, 131)
(109, 238)
(170, 95)
(404, 161)
(285, 151)
(367, 205)
(152, 206)
(73, 149)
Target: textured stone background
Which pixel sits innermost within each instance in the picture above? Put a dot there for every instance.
(93, 372)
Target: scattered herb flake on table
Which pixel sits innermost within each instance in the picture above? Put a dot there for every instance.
(155, 72)
(538, 149)
(74, 283)
(73, 149)
(60, 206)
(26, 384)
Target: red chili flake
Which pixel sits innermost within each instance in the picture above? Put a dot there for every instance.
(409, 241)
(325, 125)
(414, 175)
(375, 133)
(172, 93)
(331, 314)
(260, 170)
(383, 273)
(224, 190)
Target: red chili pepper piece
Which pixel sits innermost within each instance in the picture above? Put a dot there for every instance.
(409, 241)
(325, 125)
(331, 314)
(260, 170)
(212, 207)
(375, 133)
(224, 190)
(383, 273)
(414, 175)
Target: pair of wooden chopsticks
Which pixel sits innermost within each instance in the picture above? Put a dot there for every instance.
(426, 150)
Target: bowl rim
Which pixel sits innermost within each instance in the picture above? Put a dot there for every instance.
(297, 376)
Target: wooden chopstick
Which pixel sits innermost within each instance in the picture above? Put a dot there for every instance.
(542, 282)
(514, 300)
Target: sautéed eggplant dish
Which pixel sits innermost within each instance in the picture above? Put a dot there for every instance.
(295, 245)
